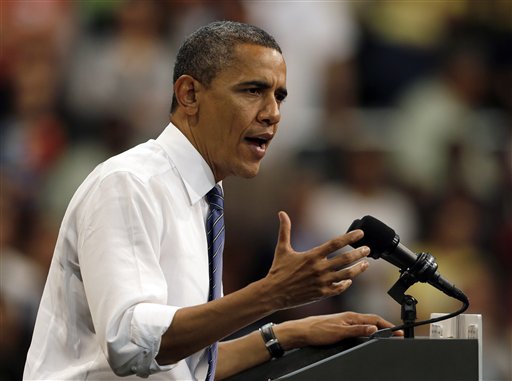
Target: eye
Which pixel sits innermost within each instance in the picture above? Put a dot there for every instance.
(253, 90)
(280, 98)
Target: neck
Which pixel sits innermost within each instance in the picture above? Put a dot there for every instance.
(188, 126)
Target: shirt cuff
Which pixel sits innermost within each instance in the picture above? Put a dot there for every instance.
(149, 323)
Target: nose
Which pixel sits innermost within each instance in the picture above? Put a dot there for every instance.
(270, 114)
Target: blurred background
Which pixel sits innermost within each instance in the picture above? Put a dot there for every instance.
(401, 110)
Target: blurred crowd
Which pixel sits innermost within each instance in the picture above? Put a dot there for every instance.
(400, 110)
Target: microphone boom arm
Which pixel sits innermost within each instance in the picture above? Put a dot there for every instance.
(423, 270)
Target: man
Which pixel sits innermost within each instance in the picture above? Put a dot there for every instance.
(128, 289)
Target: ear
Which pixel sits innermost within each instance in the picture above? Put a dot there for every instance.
(185, 90)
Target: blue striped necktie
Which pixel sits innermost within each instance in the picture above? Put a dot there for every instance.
(215, 239)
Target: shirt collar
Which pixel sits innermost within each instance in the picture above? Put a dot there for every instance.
(193, 169)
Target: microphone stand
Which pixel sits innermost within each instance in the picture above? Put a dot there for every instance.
(408, 303)
(423, 270)
(409, 315)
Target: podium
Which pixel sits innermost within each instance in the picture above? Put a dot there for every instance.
(392, 359)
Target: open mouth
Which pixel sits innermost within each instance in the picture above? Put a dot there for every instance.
(260, 142)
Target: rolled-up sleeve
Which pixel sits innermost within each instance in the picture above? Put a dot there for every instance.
(135, 353)
(119, 253)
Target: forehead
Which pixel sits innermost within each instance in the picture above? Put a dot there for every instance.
(254, 62)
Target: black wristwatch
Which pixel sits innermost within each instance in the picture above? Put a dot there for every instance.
(271, 341)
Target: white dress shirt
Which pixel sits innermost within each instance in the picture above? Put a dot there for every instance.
(131, 251)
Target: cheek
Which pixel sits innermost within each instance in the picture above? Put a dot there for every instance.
(240, 122)
(233, 116)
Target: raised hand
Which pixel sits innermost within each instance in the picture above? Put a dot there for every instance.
(303, 277)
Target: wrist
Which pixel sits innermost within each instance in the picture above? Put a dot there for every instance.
(290, 335)
(267, 295)
(271, 342)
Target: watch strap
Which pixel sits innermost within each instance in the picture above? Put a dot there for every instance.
(271, 341)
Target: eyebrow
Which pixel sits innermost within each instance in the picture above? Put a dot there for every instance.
(281, 91)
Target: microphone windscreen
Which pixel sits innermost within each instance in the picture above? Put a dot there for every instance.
(377, 235)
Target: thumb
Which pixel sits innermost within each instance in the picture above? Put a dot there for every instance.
(285, 225)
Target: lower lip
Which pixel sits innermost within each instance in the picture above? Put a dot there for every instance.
(257, 150)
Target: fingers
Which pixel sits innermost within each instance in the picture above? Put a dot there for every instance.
(365, 324)
(360, 330)
(339, 287)
(338, 242)
(373, 323)
(350, 272)
(285, 225)
(376, 320)
(349, 257)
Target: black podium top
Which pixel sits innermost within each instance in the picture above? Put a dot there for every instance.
(395, 359)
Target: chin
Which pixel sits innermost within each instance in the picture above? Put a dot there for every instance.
(248, 175)
(248, 172)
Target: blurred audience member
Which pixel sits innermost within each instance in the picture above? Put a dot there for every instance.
(500, 232)
(13, 342)
(127, 75)
(398, 44)
(33, 134)
(53, 20)
(454, 238)
(437, 136)
(20, 287)
(187, 16)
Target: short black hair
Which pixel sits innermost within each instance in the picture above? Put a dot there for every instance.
(209, 49)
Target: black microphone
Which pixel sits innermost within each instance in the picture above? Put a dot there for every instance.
(385, 243)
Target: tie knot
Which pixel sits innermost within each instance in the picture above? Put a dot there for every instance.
(215, 198)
